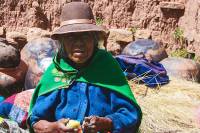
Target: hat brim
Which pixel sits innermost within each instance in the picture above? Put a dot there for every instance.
(75, 28)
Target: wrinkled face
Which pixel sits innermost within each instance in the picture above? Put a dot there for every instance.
(79, 47)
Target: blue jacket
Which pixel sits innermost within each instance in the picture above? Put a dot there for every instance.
(81, 100)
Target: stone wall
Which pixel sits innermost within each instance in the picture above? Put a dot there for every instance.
(190, 23)
(21, 14)
(159, 17)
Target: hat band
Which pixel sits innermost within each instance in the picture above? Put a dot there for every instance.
(78, 21)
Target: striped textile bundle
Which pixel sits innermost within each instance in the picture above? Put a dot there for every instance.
(16, 107)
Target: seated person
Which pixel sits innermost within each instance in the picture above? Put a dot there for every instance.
(83, 83)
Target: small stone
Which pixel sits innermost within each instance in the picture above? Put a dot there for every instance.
(142, 34)
(35, 4)
(172, 5)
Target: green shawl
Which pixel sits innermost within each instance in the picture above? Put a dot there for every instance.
(103, 70)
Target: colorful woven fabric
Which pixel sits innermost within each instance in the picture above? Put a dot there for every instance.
(9, 126)
(16, 107)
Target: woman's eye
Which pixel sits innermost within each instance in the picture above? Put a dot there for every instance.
(85, 37)
(70, 38)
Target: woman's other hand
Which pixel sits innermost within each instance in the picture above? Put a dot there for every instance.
(44, 126)
(93, 124)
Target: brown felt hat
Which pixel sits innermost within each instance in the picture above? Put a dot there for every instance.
(77, 17)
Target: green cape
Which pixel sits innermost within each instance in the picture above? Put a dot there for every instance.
(103, 70)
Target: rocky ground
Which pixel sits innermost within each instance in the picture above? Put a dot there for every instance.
(171, 108)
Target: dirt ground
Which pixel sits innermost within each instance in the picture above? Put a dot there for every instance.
(171, 108)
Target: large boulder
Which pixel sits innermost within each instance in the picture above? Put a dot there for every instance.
(16, 39)
(38, 56)
(152, 50)
(12, 70)
(9, 56)
(182, 68)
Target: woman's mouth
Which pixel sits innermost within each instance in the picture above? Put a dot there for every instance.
(78, 52)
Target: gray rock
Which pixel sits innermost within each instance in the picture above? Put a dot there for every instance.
(182, 68)
(151, 49)
(12, 70)
(9, 56)
(38, 56)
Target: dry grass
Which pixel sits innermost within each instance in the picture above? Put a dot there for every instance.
(170, 108)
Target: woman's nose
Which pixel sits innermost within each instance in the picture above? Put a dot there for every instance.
(78, 43)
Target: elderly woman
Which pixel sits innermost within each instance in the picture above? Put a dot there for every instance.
(83, 83)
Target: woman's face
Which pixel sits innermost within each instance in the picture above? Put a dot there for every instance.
(79, 47)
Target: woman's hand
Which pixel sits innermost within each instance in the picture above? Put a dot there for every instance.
(93, 124)
(44, 126)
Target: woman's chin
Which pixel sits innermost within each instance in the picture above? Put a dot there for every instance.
(79, 60)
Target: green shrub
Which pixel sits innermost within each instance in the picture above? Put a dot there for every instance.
(179, 36)
(133, 30)
(99, 21)
(180, 53)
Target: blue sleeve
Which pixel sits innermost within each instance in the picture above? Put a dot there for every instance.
(44, 107)
(126, 116)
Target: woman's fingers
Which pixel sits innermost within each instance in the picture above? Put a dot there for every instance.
(64, 120)
(63, 129)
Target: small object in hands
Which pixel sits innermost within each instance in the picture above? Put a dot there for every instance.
(74, 124)
(1, 119)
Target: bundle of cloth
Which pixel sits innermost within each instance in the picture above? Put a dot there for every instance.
(138, 68)
(16, 108)
(9, 126)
